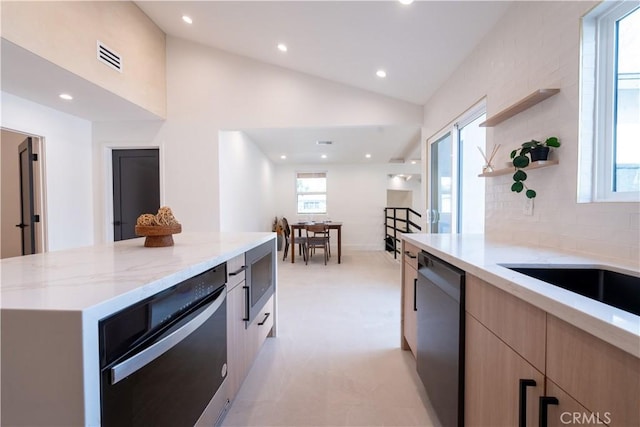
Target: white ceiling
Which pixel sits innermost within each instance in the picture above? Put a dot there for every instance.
(31, 77)
(348, 144)
(418, 45)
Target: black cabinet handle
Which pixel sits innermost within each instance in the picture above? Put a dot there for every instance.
(410, 255)
(545, 401)
(246, 303)
(265, 319)
(22, 225)
(522, 417)
(415, 297)
(240, 270)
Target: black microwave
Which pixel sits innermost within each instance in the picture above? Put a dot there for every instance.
(260, 278)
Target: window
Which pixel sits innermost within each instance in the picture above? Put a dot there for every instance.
(610, 110)
(311, 192)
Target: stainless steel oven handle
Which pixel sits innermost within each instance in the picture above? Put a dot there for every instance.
(148, 355)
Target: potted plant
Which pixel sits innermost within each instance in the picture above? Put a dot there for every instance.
(537, 151)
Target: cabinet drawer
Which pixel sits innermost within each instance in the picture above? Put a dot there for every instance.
(235, 271)
(601, 377)
(410, 254)
(519, 324)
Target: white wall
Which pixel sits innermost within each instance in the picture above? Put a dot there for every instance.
(247, 187)
(536, 45)
(209, 91)
(356, 196)
(68, 174)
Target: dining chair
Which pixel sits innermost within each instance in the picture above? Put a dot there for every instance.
(317, 238)
(292, 240)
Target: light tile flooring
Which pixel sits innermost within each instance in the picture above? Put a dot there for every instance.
(336, 360)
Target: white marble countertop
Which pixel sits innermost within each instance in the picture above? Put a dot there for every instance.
(105, 278)
(482, 257)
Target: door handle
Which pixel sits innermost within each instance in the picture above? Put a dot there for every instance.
(545, 401)
(151, 353)
(265, 319)
(22, 225)
(117, 223)
(240, 270)
(247, 301)
(522, 418)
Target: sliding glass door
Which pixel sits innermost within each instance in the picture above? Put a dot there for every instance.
(441, 175)
(456, 193)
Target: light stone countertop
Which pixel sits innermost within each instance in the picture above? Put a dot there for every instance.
(482, 257)
(105, 278)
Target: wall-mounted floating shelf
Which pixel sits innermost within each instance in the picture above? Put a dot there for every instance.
(533, 165)
(527, 102)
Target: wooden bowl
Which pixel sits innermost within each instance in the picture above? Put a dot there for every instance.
(158, 236)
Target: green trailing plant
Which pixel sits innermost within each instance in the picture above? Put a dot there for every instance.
(520, 160)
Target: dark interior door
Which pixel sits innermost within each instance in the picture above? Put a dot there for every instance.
(27, 215)
(136, 189)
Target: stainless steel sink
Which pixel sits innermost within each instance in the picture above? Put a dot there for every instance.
(610, 287)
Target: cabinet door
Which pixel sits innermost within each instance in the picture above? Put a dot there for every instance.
(569, 412)
(236, 339)
(492, 380)
(603, 378)
(519, 324)
(410, 332)
(258, 331)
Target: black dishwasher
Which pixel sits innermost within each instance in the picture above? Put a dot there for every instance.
(440, 355)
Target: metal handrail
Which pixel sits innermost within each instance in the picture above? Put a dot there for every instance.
(395, 229)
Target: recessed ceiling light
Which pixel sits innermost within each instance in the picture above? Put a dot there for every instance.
(324, 156)
(413, 162)
(406, 1)
(66, 96)
(381, 73)
(283, 157)
(282, 47)
(187, 19)
(368, 156)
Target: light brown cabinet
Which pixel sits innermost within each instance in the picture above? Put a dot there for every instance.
(508, 339)
(498, 355)
(409, 332)
(243, 341)
(601, 377)
(492, 380)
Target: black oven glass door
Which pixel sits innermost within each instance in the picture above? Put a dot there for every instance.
(170, 380)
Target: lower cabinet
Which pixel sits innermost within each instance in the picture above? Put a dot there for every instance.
(579, 378)
(493, 375)
(409, 315)
(244, 342)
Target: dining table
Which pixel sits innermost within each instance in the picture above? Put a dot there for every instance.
(332, 225)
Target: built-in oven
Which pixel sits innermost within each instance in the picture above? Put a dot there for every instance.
(260, 278)
(163, 361)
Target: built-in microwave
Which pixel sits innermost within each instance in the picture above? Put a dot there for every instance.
(260, 278)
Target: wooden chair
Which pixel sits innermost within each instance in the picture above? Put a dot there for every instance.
(293, 240)
(317, 238)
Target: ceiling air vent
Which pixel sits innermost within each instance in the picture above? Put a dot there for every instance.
(109, 57)
(324, 142)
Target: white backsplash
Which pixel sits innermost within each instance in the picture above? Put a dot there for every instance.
(537, 45)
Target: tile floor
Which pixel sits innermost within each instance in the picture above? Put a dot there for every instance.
(336, 360)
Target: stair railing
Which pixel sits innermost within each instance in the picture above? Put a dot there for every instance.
(397, 221)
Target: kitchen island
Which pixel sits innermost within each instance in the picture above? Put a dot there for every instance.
(52, 303)
(582, 353)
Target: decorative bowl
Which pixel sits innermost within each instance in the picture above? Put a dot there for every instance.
(158, 236)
